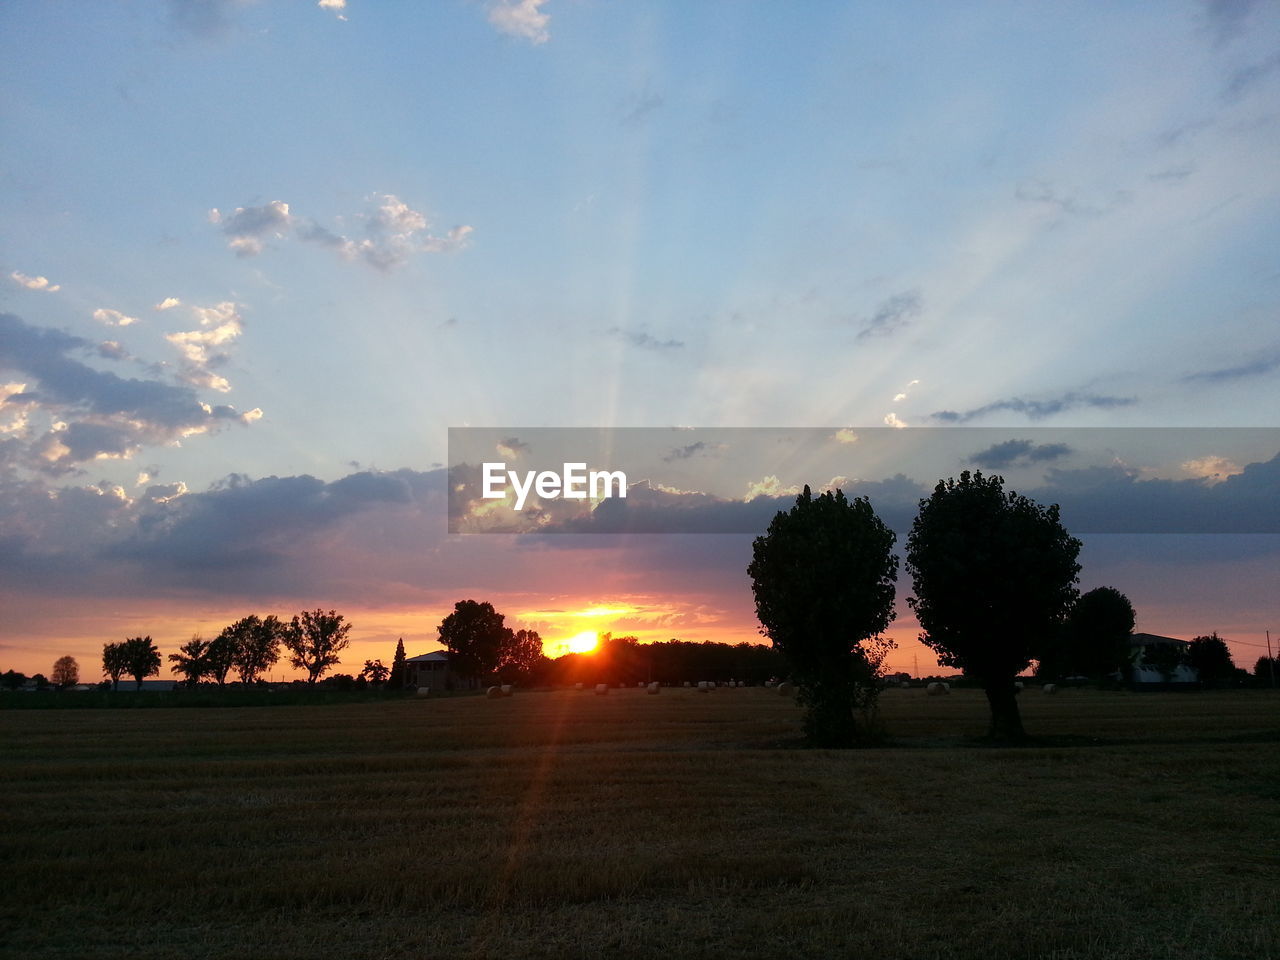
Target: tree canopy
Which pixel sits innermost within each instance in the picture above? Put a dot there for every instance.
(823, 578)
(191, 660)
(65, 673)
(1210, 657)
(994, 576)
(256, 645)
(314, 639)
(476, 639)
(141, 659)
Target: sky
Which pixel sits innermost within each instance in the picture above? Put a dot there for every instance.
(258, 257)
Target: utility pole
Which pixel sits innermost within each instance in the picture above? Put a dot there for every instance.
(1271, 661)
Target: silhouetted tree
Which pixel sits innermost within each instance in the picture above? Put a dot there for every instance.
(141, 659)
(374, 671)
(220, 656)
(12, 680)
(314, 639)
(1265, 668)
(994, 576)
(257, 645)
(114, 664)
(521, 655)
(475, 638)
(1097, 631)
(1210, 657)
(399, 668)
(65, 673)
(1166, 658)
(823, 578)
(192, 660)
(41, 681)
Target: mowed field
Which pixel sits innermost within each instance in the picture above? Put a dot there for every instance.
(564, 824)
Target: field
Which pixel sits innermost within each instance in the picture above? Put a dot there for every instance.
(568, 825)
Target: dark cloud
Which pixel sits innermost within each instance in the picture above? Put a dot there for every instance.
(1248, 77)
(1044, 193)
(1223, 374)
(645, 341)
(103, 412)
(692, 450)
(247, 227)
(1036, 409)
(1013, 453)
(1226, 18)
(892, 315)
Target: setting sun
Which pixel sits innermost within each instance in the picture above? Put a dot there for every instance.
(583, 642)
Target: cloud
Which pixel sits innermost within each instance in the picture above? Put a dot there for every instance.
(892, 315)
(645, 341)
(203, 18)
(899, 397)
(1226, 18)
(845, 435)
(1254, 368)
(113, 318)
(698, 448)
(220, 325)
(1047, 195)
(1212, 469)
(393, 231)
(893, 420)
(1017, 453)
(511, 448)
(769, 486)
(89, 413)
(639, 106)
(521, 18)
(1250, 76)
(337, 6)
(168, 303)
(34, 283)
(1036, 409)
(248, 227)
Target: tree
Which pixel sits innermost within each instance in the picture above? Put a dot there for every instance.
(314, 639)
(113, 663)
(12, 680)
(41, 681)
(521, 655)
(221, 655)
(257, 645)
(1165, 657)
(1264, 669)
(1097, 632)
(399, 668)
(823, 578)
(141, 659)
(65, 673)
(475, 638)
(375, 671)
(1210, 657)
(192, 660)
(994, 577)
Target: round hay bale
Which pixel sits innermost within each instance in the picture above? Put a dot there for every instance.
(578, 686)
(1050, 688)
(493, 693)
(905, 685)
(653, 688)
(423, 691)
(507, 689)
(937, 689)
(601, 689)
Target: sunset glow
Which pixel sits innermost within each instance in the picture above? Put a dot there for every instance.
(583, 642)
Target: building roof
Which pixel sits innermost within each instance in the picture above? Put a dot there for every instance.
(434, 655)
(1150, 639)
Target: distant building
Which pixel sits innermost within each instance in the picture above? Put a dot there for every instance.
(1143, 674)
(431, 670)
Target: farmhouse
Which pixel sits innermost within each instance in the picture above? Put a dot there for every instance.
(431, 670)
(1145, 648)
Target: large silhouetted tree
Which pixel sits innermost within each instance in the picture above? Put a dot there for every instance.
(65, 673)
(314, 640)
(113, 663)
(521, 655)
(399, 667)
(1094, 640)
(141, 659)
(823, 578)
(994, 576)
(257, 645)
(475, 638)
(191, 660)
(1210, 657)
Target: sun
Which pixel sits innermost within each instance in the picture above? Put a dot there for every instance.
(583, 642)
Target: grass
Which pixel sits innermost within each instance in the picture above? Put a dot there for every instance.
(568, 825)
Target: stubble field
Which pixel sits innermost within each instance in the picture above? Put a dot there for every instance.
(568, 825)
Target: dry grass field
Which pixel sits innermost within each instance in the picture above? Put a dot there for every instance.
(683, 825)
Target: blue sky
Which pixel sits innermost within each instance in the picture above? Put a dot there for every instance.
(578, 213)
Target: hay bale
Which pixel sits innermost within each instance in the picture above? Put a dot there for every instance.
(578, 686)
(704, 686)
(784, 688)
(506, 689)
(653, 687)
(687, 684)
(1050, 688)
(905, 685)
(424, 691)
(493, 693)
(937, 689)
(601, 689)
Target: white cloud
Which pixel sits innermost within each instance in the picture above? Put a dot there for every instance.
(846, 435)
(521, 18)
(113, 318)
(1212, 469)
(35, 283)
(219, 326)
(892, 420)
(248, 227)
(393, 232)
(337, 6)
(769, 486)
(168, 303)
(899, 397)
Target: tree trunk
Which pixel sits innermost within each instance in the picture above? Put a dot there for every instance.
(1006, 720)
